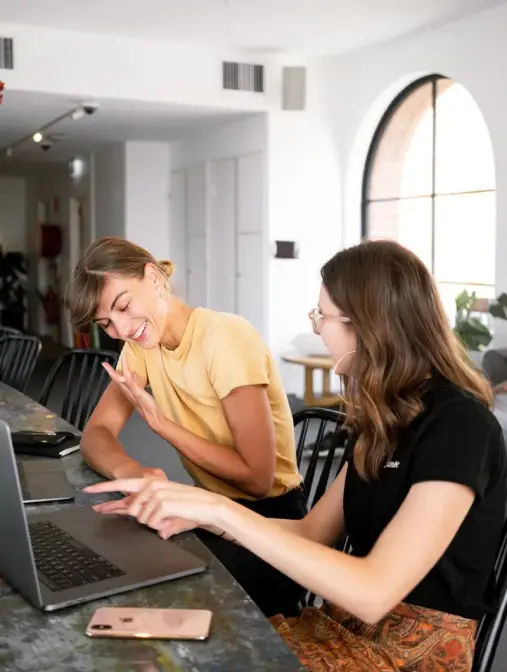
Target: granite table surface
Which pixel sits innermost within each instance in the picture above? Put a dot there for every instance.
(241, 638)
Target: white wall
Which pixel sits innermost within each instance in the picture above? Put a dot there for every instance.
(304, 206)
(360, 86)
(13, 214)
(147, 171)
(301, 191)
(130, 194)
(77, 65)
(240, 137)
(109, 191)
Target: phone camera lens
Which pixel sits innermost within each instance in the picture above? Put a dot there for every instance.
(101, 627)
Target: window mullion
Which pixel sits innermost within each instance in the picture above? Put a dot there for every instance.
(433, 172)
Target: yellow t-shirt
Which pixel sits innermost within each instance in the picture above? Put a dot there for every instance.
(218, 353)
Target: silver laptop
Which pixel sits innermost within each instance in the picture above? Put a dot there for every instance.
(76, 555)
(43, 481)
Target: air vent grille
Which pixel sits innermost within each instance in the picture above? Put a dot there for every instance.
(6, 53)
(243, 77)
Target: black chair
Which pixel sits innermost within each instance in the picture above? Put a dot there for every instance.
(9, 331)
(490, 627)
(18, 356)
(85, 381)
(326, 449)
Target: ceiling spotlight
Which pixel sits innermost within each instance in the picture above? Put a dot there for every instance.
(37, 137)
(78, 113)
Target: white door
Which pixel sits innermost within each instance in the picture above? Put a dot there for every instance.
(250, 280)
(197, 276)
(177, 232)
(196, 200)
(222, 232)
(196, 238)
(251, 193)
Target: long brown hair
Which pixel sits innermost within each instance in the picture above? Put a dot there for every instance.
(403, 337)
(105, 257)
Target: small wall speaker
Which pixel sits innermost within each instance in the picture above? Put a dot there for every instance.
(294, 88)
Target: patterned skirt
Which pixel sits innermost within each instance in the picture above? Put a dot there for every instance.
(408, 639)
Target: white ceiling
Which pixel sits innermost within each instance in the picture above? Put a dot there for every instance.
(310, 26)
(115, 121)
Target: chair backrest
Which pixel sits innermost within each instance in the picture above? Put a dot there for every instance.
(85, 382)
(18, 356)
(9, 331)
(323, 436)
(491, 626)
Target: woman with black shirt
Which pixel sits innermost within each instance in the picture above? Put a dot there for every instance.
(421, 494)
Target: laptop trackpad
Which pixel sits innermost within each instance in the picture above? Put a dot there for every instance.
(132, 547)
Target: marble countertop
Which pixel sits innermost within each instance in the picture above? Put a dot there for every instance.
(241, 639)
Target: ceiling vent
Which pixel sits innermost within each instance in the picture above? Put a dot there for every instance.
(6, 53)
(243, 77)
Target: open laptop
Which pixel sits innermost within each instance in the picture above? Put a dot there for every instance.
(43, 481)
(59, 559)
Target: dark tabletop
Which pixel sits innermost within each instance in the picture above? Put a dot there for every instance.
(241, 638)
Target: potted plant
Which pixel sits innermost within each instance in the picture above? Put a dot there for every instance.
(469, 328)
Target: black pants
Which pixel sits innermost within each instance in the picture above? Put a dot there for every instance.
(272, 591)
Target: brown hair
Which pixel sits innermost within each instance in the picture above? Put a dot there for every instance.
(403, 337)
(107, 256)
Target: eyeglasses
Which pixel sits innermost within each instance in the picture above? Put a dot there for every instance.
(317, 318)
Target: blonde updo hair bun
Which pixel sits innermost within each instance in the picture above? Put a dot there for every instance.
(167, 267)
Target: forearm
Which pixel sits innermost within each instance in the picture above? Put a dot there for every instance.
(218, 460)
(294, 526)
(103, 452)
(342, 579)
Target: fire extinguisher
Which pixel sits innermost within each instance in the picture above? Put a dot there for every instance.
(51, 306)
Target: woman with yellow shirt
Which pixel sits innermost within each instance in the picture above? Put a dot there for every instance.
(217, 397)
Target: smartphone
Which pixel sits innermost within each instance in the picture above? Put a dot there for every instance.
(146, 623)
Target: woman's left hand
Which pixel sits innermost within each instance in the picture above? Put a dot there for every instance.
(158, 502)
(144, 403)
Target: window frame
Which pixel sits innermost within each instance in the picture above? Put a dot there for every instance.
(371, 156)
(382, 126)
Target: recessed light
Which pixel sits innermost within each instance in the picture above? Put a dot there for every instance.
(37, 137)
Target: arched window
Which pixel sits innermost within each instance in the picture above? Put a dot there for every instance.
(429, 183)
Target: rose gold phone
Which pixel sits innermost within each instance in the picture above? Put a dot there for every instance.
(145, 623)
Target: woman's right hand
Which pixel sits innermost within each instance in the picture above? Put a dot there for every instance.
(157, 503)
(170, 527)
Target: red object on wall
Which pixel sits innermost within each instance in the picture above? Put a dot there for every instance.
(50, 241)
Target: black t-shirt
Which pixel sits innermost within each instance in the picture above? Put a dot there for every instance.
(457, 439)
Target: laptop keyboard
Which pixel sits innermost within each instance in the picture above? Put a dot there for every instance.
(63, 562)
